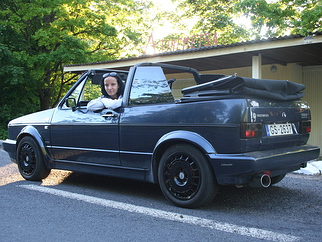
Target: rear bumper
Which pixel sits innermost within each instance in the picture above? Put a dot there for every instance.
(10, 147)
(239, 169)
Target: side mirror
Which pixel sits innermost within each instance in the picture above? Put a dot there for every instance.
(71, 103)
(171, 81)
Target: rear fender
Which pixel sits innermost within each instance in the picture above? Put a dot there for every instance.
(176, 137)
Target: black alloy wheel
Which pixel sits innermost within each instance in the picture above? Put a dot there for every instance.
(186, 178)
(30, 160)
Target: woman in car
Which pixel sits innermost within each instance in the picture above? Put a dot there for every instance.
(112, 89)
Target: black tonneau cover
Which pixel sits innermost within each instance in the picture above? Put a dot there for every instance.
(233, 86)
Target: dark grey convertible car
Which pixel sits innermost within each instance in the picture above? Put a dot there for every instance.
(218, 130)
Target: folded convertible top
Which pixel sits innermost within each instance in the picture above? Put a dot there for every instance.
(230, 86)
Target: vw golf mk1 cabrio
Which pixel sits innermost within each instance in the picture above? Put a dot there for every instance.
(219, 130)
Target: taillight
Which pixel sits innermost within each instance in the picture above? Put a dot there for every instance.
(250, 130)
(305, 127)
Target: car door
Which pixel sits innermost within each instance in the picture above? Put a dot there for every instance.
(82, 136)
(148, 116)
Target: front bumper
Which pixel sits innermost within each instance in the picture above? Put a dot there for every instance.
(10, 147)
(239, 169)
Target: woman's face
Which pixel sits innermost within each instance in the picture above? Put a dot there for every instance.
(111, 86)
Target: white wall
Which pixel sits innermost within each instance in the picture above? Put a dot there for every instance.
(312, 79)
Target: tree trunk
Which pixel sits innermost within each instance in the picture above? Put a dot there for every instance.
(45, 98)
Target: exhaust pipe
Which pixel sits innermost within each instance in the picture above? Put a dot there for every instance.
(261, 180)
(265, 180)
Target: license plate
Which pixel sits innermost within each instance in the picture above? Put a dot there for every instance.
(279, 129)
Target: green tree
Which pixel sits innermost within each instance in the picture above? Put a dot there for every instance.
(14, 82)
(55, 33)
(39, 37)
(216, 16)
(282, 17)
(268, 18)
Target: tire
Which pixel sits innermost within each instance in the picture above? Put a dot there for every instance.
(186, 178)
(277, 179)
(30, 160)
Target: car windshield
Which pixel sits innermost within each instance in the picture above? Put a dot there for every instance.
(150, 86)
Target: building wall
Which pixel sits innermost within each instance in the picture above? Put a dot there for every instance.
(313, 95)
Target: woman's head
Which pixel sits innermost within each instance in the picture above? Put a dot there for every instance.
(112, 85)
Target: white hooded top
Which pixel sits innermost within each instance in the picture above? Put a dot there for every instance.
(103, 102)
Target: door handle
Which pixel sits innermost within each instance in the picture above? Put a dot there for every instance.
(110, 114)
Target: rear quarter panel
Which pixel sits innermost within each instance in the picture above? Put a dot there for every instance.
(217, 121)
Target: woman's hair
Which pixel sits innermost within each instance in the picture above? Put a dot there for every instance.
(119, 82)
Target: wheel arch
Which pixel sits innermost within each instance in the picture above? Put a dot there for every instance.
(32, 132)
(175, 137)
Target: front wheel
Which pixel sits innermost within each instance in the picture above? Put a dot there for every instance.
(30, 160)
(186, 178)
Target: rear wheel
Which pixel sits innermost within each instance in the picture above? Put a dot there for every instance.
(186, 178)
(30, 160)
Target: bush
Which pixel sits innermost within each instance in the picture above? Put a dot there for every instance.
(3, 133)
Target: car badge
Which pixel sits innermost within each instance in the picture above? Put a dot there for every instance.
(283, 115)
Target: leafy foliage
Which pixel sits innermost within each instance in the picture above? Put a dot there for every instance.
(268, 18)
(14, 82)
(216, 16)
(39, 37)
(284, 17)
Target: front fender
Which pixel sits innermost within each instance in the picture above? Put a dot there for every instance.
(33, 132)
(175, 137)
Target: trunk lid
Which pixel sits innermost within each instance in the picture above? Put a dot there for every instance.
(283, 124)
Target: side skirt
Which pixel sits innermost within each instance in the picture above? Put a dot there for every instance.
(107, 170)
